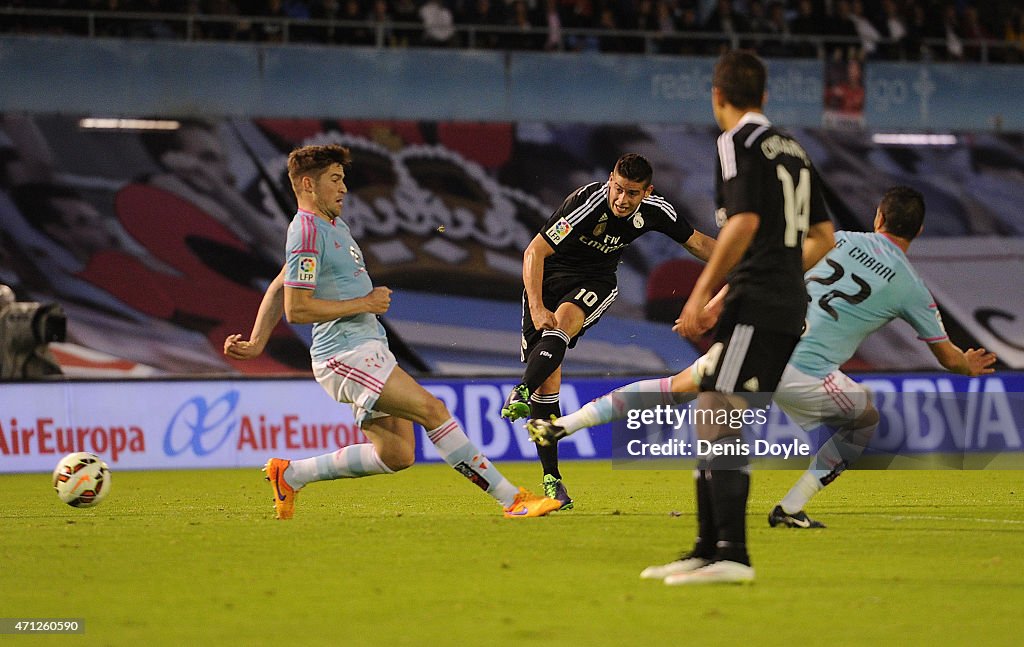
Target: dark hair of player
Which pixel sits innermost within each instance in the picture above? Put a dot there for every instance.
(635, 168)
(740, 75)
(313, 160)
(903, 209)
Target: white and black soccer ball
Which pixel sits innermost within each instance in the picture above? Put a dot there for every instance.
(81, 479)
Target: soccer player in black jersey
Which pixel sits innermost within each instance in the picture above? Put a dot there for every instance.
(569, 276)
(769, 202)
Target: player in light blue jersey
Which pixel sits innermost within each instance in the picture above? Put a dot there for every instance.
(324, 282)
(863, 283)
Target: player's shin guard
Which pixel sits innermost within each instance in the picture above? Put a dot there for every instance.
(459, 451)
(544, 406)
(645, 394)
(707, 532)
(642, 395)
(730, 487)
(840, 452)
(545, 357)
(354, 461)
(837, 454)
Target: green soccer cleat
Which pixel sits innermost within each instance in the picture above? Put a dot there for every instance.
(517, 405)
(554, 489)
(545, 432)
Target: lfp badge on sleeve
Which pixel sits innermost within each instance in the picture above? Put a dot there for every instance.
(307, 270)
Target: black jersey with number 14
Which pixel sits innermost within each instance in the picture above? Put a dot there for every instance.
(588, 238)
(765, 171)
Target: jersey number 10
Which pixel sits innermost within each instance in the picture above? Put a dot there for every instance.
(797, 204)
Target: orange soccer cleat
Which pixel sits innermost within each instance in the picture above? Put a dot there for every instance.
(284, 494)
(528, 504)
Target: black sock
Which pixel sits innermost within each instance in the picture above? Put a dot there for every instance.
(545, 357)
(730, 487)
(707, 532)
(544, 406)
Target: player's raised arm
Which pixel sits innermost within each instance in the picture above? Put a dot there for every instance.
(270, 312)
(533, 277)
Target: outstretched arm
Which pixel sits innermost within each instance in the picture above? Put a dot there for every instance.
(700, 245)
(270, 312)
(972, 362)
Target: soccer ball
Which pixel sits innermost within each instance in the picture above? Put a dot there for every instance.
(81, 479)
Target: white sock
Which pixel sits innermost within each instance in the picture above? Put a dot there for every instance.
(350, 462)
(645, 394)
(589, 415)
(834, 457)
(458, 451)
(806, 486)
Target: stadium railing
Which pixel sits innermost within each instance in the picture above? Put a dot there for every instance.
(192, 26)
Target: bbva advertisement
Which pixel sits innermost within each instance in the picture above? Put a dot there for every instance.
(156, 424)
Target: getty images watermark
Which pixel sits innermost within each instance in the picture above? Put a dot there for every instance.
(681, 443)
(945, 422)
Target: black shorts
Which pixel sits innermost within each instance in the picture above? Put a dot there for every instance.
(746, 359)
(593, 295)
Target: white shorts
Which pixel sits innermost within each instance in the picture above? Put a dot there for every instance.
(357, 377)
(810, 401)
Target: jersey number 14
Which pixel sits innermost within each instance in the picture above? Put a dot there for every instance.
(797, 204)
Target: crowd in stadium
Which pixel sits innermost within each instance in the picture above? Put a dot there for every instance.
(879, 29)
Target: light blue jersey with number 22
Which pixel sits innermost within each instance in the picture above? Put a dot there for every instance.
(864, 283)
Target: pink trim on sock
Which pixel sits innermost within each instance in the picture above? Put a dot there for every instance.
(666, 390)
(435, 435)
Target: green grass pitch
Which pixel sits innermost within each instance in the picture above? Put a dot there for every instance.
(424, 558)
